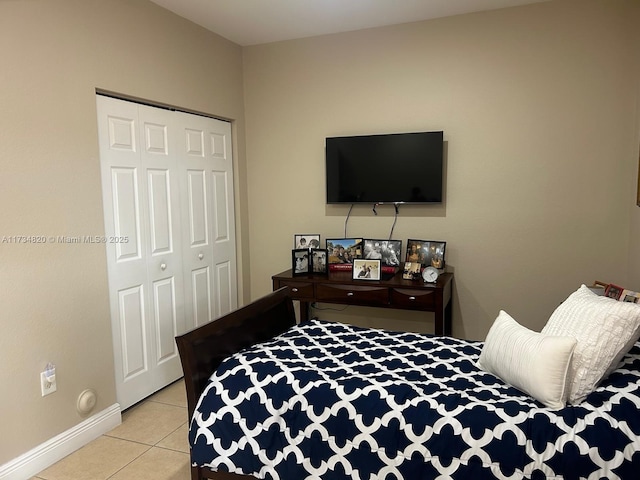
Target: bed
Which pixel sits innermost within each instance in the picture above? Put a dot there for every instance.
(271, 399)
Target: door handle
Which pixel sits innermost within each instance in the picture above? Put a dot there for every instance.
(201, 255)
(163, 266)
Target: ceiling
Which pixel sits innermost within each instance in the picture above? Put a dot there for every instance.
(253, 22)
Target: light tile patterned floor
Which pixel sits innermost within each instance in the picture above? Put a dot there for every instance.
(151, 443)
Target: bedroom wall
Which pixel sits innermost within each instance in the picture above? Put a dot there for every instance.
(55, 297)
(539, 112)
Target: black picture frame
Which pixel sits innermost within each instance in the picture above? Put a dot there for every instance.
(319, 261)
(389, 252)
(306, 240)
(426, 252)
(366, 269)
(300, 261)
(344, 250)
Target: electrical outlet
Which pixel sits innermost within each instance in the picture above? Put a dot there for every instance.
(46, 386)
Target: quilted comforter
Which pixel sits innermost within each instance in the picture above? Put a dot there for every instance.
(331, 401)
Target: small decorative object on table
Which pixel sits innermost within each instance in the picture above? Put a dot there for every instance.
(630, 296)
(342, 253)
(319, 260)
(616, 292)
(300, 261)
(426, 252)
(613, 291)
(411, 271)
(366, 269)
(306, 240)
(430, 274)
(387, 251)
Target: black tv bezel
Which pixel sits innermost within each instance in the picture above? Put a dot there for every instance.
(440, 133)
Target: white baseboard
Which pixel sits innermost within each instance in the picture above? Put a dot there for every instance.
(58, 447)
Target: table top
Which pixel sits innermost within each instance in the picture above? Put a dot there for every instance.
(345, 277)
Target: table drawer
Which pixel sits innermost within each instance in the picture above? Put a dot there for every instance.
(356, 294)
(413, 298)
(299, 289)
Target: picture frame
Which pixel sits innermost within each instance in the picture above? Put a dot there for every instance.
(629, 296)
(613, 291)
(344, 250)
(387, 251)
(306, 240)
(319, 260)
(411, 271)
(366, 269)
(300, 261)
(426, 252)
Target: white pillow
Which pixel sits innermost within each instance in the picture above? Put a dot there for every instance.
(532, 362)
(605, 329)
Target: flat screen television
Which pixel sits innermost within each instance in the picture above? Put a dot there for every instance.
(390, 168)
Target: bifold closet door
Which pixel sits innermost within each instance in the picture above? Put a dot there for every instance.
(208, 215)
(144, 172)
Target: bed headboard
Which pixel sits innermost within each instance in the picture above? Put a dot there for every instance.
(203, 349)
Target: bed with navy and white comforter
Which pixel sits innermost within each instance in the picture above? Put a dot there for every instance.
(328, 401)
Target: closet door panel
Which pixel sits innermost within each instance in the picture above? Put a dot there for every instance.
(164, 245)
(131, 304)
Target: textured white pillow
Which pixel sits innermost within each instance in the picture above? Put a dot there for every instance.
(532, 362)
(605, 329)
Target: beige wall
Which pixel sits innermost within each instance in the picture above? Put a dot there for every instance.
(539, 112)
(55, 297)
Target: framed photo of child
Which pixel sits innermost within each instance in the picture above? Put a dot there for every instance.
(300, 261)
(306, 240)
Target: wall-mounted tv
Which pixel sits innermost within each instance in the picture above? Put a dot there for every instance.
(390, 168)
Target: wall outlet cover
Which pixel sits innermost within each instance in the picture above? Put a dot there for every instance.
(46, 386)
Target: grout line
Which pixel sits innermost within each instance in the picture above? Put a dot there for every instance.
(169, 434)
(125, 466)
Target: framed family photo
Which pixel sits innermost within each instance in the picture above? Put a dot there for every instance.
(306, 240)
(344, 250)
(319, 263)
(411, 271)
(387, 251)
(426, 252)
(300, 261)
(366, 269)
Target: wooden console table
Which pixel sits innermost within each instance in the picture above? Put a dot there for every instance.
(395, 292)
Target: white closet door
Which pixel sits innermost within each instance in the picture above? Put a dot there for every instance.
(123, 182)
(161, 209)
(208, 214)
(142, 161)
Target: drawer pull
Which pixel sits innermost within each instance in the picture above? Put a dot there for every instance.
(294, 290)
(412, 298)
(349, 294)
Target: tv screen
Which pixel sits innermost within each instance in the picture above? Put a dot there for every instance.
(391, 168)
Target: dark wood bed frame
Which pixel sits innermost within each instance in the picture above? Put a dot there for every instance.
(203, 349)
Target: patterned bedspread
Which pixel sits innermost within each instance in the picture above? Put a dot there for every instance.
(331, 401)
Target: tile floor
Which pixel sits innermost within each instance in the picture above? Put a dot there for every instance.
(151, 443)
